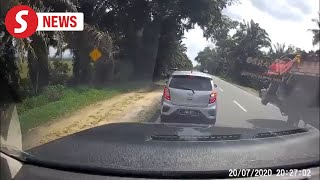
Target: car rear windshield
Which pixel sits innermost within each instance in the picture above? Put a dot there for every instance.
(191, 82)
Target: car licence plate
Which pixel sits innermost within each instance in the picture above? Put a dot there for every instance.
(189, 112)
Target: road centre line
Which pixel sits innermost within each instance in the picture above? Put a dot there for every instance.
(240, 106)
(220, 89)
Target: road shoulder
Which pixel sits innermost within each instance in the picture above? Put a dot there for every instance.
(128, 107)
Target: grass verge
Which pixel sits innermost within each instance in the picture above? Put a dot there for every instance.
(71, 100)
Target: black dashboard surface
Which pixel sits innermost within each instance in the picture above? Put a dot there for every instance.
(167, 148)
(39, 173)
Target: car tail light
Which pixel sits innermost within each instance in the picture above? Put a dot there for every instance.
(213, 97)
(166, 94)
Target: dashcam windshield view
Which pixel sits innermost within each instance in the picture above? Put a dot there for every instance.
(159, 89)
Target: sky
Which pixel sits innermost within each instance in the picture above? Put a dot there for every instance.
(286, 21)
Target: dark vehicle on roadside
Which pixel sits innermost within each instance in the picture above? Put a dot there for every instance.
(297, 94)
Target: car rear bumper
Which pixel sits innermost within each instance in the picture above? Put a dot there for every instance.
(172, 113)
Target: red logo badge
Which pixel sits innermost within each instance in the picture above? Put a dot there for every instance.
(21, 21)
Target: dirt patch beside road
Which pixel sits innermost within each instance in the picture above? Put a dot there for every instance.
(129, 107)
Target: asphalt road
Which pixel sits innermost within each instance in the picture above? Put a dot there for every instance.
(239, 108)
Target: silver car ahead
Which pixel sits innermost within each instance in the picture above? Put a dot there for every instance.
(189, 97)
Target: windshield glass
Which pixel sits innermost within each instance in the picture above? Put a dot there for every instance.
(191, 82)
(72, 67)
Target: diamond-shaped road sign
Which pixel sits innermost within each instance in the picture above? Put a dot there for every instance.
(95, 54)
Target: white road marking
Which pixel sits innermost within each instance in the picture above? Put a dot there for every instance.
(220, 89)
(240, 106)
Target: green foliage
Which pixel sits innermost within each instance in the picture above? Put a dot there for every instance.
(23, 69)
(208, 59)
(25, 87)
(38, 64)
(60, 67)
(49, 94)
(228, 58)
(197, 67)
(53, 93)
(146, 31)
(9, 73)
(59, 73)
(32, 102)
(171, 55)
(179, 58)
(128, 29)
(278, 50)
(316, 32)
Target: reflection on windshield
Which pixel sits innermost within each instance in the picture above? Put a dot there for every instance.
(191, 83)
(123, 67)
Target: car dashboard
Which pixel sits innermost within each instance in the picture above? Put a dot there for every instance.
(147, 150)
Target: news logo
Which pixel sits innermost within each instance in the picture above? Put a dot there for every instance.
(22, 21)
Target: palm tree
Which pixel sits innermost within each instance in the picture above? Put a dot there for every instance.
(316, 32)
(249, 39)
(37, 46)
(81, 43)
(257, 36)
(278, 50)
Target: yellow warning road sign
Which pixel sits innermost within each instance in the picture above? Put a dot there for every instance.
(95, 54)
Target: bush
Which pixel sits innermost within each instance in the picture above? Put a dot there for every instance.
(49, 94)
(53, 93)
(25, 87)
(60, 67)
(59, 79)
(59, 73)
(82, 89)
(32, 102)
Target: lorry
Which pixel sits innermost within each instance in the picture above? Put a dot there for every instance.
(296, 93)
